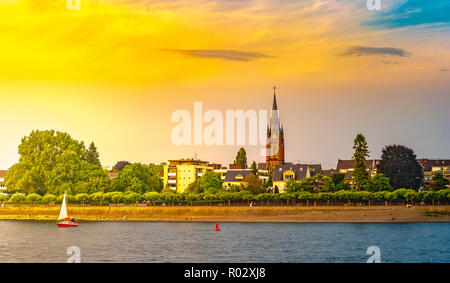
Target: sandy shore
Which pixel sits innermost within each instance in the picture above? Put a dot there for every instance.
(236, 214)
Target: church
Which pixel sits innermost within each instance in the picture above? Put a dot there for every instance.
(275, 138)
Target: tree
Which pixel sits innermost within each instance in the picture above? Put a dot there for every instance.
(17, 198)
(3, 198)
(378, 183)
(343, 186)
(132, 198)
(399, 164)
(83, 197)
(48, 198)
(98, 197)
(253, 184)
(120, 165)
(34, 198)
(360, 174)
(156, 169)
(439, 182)
(137, 178)
(152, 197)
(316, 183)
(241, 157)
(74, 175)
(254, 168)
(92, 156)
(269, 182)
(210, 182)
(339, 182)
(40, 153)
(117, 197)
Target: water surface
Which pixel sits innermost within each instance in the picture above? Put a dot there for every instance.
(237, 242)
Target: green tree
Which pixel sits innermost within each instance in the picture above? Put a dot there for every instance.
(82, 198)
(132, 198)
(3, 198)
(22, 177)
(360, 174)
(117, 197)
(343, 186)
(98, 197)
(254, 168)
(156, 169)
(51, 162)
(316, 183)
(74, 175)
(399, 164)
(241, 157)
(210, 182)
(17, 198)
(92, 156)
(338, 178)
(439, 182)
(34, 198)
(293, 186)
(379, 182)
(48, 198)
(152, 197)
(339, 182)
(253, 184)
(137, 178)
(108, 197)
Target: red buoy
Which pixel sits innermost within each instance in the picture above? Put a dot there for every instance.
(217, 227)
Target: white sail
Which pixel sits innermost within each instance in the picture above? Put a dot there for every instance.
(63, 212)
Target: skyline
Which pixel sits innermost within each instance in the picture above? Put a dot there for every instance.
(115, 71)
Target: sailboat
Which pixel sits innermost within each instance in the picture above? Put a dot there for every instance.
(64, 220)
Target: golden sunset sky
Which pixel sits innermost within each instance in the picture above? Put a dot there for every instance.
(114, 71)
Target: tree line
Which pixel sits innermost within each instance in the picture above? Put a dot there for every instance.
(342, 197)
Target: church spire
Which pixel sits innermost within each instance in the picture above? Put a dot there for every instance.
(274, 107)
(275, 137)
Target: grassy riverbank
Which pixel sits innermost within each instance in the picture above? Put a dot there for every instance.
(235, 214)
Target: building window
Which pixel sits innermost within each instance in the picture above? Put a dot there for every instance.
(288, 177)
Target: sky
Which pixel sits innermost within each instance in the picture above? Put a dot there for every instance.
(115, 71)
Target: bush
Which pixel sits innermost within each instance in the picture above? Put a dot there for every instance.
(167, 197)
(82, 198)
(117, 197)
(17, 198)
(97, 197)
(34, 198)
(4, 198)
(69, 198)
(132, 197)
(108, 197)
(152, 197)
(48, 198)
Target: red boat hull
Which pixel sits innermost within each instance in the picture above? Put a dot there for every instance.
(67, 224)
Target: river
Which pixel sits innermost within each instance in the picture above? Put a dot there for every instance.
(236, 242)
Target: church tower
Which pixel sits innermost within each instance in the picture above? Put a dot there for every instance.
(275, 138)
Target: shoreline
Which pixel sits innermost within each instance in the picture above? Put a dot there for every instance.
(269, 214)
